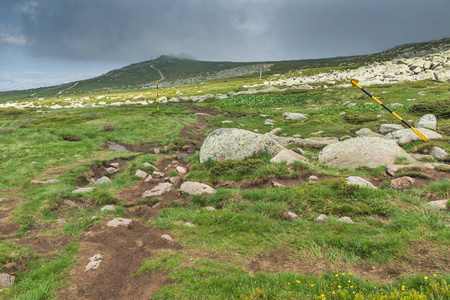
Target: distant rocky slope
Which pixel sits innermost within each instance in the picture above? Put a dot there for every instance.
(432, 66)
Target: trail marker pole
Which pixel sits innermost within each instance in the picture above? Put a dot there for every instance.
(420, 134)
(260, 71)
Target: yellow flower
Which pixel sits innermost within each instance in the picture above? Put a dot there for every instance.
(351, 286)
(350, 273)
(434, 275)
(426, 278)
(349, 281)
(312, 285)
(334, 293)
(374, 287)
(298, 281)
(289, 283)
(343, 274)
(403, 287)
(336, 275)
(339, 286)
(373, 252)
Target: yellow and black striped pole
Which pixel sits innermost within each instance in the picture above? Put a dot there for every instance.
(420, 134)
(157, 97)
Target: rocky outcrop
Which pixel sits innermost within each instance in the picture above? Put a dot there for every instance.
(371, 152)
(236, 144)
(196, 188)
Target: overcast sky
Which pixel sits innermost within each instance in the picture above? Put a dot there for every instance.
(46, 42)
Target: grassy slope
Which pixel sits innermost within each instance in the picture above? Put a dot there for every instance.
(136, 75)
(250, 223)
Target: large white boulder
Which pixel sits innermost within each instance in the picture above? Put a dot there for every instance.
(427, 121)
(371, 152)
(236, 144)
(196, 188)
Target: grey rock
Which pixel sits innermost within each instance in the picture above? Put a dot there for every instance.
(149, 178)
(38, 182)
(439, 204)
(277, 184)
(405, 136)
(108, 207)
(167, 237)
(371, 152)
(427, 121)
(313, 178)
(102, 180)
(387, 128)
(226, 122)
(322, 218)
(438, 153)
(294, 116)
(345, 220)
(366, 132)
(291, 216)
(269, 122)
(175, 180)
(236, 144)
(210, 208)
(158, 190)
(157, 174)
(181, 170)
(83, 190)
(401, 183)
(116, 222)
(196, 188)
(188, 224)
(289, 157)
(6, 280)
(355, 180)
(94, 262)
(299, 151)
(395, 105)
(114, 165)
(111, 170)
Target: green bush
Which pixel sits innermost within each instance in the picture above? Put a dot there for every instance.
(357, 118)
(439, 108)
(237, 166)
(23, 123)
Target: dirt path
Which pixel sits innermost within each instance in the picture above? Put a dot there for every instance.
(159, 71)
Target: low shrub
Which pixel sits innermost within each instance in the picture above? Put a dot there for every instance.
(439, 108)
(237, 166)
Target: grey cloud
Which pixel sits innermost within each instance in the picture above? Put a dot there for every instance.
(134, 30)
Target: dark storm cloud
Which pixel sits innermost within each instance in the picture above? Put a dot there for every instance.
(239, 30)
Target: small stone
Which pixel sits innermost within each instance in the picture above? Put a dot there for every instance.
(157, 174)
(290, 216)
(196, 188)
(438, 153)
(175, 180)
(167, 237)
(149, 178)
(116, 222)
(102, 180)
(322, 218)
(157, 150)
(158, 190)
(6, 280)
(189, 224)
(181, 170)
(226, 122)
(114, 165)
(94, 262)
(108, 207)
(269, 122)
(313, 178)
(345, 220)
(317, 132)
(439, 204)
(83, 190)
(111, 170)
(402, 183)
(355, 180)
(210, 208)
(141, 174)
(277, 184)
(299, 150)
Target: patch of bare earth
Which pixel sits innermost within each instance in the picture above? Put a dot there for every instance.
(124, 251)
(9, 200)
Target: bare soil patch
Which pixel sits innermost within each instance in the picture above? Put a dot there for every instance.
(123, 252)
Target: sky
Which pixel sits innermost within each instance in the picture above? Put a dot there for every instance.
(49, 42)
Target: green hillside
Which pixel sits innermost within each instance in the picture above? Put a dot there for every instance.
(179, 71)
